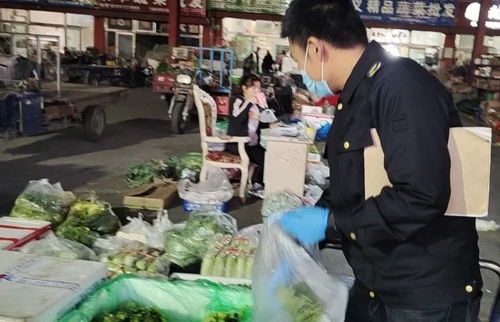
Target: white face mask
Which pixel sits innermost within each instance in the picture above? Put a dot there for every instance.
(321, 88)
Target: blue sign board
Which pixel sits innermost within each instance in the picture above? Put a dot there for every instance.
(422, 12)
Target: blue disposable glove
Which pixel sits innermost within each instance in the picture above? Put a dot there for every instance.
(306, 224)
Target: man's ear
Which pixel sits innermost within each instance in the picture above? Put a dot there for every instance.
(315, 47)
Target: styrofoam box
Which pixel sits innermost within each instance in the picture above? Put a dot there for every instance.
(41, 289)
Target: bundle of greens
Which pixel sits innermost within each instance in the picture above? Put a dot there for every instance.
(43, 201)
(132, 312)
(301, 303)
(229, 257)
(89, 219)
(186, 244)
(146, 172)
(144, 261)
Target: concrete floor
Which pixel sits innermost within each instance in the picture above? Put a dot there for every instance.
(138, 130)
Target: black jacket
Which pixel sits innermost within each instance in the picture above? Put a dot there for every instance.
(400, 244)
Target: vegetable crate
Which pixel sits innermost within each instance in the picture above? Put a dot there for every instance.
(177, 300)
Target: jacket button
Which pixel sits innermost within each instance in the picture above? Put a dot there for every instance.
(347, 145)
(372, 294)
(340, 107)
(469, 289)
(353, 236)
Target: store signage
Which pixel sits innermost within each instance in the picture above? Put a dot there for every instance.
(472, 13)
(277, 7)
(188, 7)
(65, 3)
(424, 12)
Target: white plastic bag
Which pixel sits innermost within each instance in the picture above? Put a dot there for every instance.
(268, 116)
(290, 286)
(215, 189)
(139, 230)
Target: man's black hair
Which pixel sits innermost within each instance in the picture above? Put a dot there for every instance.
(334, 21)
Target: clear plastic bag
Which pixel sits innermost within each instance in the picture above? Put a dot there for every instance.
(312, 195)
(290, 286)
(252, 232)
(318, 174)
(54, 246)
(215, 189)
(188, 242)
(113, 244)
(42, 200)
(280, 202)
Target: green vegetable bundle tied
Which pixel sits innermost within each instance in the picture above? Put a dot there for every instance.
(229, 257)
(88, 219)
(145, 262)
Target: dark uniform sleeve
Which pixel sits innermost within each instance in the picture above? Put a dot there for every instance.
(411, 114)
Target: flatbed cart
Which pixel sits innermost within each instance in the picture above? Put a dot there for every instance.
(53, 105)
(77, 105)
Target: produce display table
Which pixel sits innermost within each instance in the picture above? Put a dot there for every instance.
(285, 163)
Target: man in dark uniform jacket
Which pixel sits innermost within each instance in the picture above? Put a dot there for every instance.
(411, 262)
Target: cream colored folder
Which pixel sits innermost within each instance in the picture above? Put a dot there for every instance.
(470, 153)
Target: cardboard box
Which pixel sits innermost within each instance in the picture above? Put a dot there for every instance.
(152, 196)
(470, 154)
(41, 289)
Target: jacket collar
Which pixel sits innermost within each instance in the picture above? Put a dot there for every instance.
(372, 55)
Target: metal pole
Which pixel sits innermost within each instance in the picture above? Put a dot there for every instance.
(38, 57)
(58, 70)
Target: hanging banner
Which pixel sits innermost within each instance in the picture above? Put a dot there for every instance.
(277, 7)
(187, 7)
(142, 6)
(422, 12)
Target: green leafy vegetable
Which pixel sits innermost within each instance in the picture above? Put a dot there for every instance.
(88, 219)
(184, 245)
(301, 303)
(223, 317)
(132, 312)
(146, 172)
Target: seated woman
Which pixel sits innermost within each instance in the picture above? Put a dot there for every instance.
(244, 120)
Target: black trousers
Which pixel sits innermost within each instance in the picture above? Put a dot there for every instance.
(362, 308)
(256, 154)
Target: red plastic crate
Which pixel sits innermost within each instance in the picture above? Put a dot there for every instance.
(163, 83)
(17, 232)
